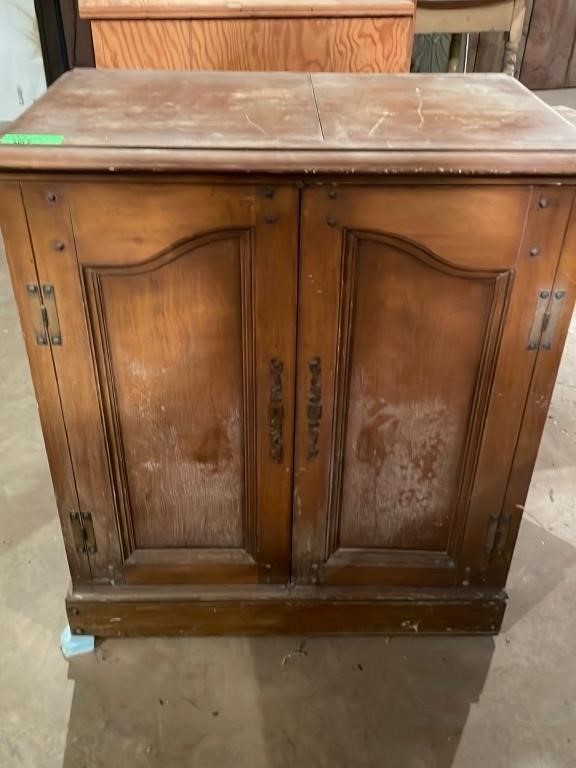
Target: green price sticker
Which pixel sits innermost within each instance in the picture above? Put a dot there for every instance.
(32, 138)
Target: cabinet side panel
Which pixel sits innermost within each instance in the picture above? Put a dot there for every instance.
(23, 271)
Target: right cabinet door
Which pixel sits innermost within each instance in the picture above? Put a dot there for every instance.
(420, 314)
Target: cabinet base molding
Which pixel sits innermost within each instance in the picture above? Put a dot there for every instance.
(108, 612)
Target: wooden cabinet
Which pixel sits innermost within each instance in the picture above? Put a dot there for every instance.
(284, 388)
(259, 35)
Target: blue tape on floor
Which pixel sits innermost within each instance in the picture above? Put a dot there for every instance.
(75, 645)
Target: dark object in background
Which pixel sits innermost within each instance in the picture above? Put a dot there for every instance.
(65, 38)
(431, 53)
(550, 56)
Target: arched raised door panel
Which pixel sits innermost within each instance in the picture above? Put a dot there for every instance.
(418, 340)
(173, 340)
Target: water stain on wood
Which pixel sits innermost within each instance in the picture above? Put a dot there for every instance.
(401, 473)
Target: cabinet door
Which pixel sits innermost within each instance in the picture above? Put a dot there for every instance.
(176, 306)
(416, 308)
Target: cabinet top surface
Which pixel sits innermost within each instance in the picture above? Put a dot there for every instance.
(291, 122)
(173, 9)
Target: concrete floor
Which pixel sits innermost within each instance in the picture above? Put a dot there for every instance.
(358, 702)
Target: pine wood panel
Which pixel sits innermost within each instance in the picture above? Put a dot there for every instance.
(316, 45)
(141, 44)
(172, 9)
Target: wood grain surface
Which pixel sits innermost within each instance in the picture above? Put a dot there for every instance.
(315, 45)
(172, 9)
(348, 526)
(456, 4)
(184, 467)
(141, 44)
(164, 378)
(562, 300)
(372, 121)
(158, 108)
(549, 56)
(261, 611)
(23, 272)
(433, 111)
(403, 449)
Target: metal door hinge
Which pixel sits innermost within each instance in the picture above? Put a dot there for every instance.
(83, 532)
(45, 314)
(545, 319)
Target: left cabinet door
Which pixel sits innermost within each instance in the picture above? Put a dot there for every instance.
(175, 304)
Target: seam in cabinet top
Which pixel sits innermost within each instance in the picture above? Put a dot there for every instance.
(291, 123)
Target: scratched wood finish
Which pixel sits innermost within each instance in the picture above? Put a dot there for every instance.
(265, 611)
(164, 109)
(221, 121)
(315, 45)
(402, 110)
(141, 44)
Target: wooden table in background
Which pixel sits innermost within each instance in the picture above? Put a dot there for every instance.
(265, 35)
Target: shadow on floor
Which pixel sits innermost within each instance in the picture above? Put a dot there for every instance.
(540, 564)
(283, 702)
(274, 702)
